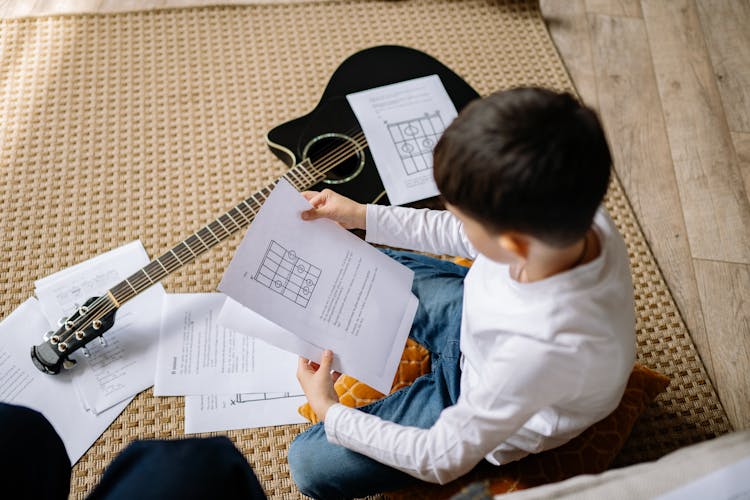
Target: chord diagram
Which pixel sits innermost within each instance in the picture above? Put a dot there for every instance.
(286, 274)
(415, 139)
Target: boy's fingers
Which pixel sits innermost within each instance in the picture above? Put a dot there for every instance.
(312, 214)
(325, 363)
(309, 195)
(303, 365)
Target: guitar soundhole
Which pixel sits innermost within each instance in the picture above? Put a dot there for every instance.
(339, 152)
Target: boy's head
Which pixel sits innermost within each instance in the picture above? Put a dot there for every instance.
(526, 160)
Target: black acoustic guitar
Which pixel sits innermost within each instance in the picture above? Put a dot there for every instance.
(324, 149)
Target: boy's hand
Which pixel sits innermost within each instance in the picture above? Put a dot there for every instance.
(331, 205)
(317, 383)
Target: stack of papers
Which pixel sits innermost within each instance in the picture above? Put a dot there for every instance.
(234, 360)
(229, 380)
(170, 341)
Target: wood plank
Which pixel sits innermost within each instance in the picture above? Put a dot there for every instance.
(642, 158)
(726, 27)
(714, 201)
(568, 27)
(741, 143)
(622, 8)
(725, 294)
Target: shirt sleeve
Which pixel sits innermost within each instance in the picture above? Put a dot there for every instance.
(484, 416)
(433, 231)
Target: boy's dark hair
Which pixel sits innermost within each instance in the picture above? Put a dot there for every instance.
(527, 160)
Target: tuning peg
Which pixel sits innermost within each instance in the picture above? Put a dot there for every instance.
(62, 321)
(85, 352)
(69, 363)
(48, 335)
(102, 342)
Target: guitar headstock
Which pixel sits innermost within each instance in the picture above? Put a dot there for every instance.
(88, 322)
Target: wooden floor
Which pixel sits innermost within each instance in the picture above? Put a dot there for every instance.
(671, 81)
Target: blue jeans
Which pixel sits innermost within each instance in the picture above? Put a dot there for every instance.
(325, 470)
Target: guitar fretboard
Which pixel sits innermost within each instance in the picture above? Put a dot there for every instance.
(302, 176)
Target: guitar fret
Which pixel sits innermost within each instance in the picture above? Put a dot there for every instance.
(290, 178)
(188, 247)
(259, 194)
(176, 257)
(162, 266)
(131, 286)
(250, 207)
(208, 226)
(234, 221)
(143, 270)
(241, 213)
(307, 174)
(223, 226)
(201, 240)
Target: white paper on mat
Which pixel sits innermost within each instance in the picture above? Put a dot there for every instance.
(199, 355)
(51, 395)
(402, 123)
(125, 365)
(326, 286)
(224, 412)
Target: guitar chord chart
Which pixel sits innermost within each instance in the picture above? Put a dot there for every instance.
(415, 139)
(286, 274)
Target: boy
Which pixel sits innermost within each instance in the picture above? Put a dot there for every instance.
(535, 344)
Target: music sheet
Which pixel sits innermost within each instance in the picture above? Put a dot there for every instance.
(402, 123)
(199, 355)
(324, 285)
(125, 364)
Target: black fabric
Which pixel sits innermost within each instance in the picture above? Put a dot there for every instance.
(36, 465)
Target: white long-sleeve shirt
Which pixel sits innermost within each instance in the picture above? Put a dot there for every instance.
(541, 361)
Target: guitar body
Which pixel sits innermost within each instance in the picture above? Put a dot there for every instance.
(333, 122)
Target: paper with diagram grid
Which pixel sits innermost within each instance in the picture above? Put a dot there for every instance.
(402, 123)
(325, 286)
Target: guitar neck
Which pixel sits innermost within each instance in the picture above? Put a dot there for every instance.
(302, 176)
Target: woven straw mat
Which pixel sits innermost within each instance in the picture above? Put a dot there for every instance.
(149, 124)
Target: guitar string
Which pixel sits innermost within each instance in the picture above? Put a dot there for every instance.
(330, 160)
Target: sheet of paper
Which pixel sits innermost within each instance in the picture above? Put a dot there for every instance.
(125, 365)
(52, 395)
(402, 123)
(214, 412)
(326, 286)
(237, 317)
(199, 355)
(728, 483)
